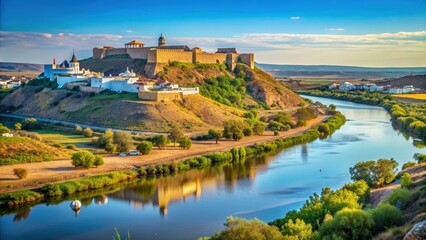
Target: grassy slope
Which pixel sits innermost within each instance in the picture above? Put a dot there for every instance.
(263, 87)
(21, 150)
(113, 65)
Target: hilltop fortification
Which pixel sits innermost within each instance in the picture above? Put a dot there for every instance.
(158, 56)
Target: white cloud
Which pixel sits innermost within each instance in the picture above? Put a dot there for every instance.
(336, 29)
(130, 31)
(397, 49)
(295, 18)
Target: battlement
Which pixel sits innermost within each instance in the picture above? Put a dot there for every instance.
(162, 54)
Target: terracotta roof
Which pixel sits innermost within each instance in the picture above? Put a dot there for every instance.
(134, 42)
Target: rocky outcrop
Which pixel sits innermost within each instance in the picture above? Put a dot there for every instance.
(418, 232)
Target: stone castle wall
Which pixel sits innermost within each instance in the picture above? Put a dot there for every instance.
(170, 55)
(203, 57)
(160, 96)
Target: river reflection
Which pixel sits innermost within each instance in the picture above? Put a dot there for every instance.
(196, 203)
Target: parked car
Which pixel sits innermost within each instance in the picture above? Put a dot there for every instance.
(134, 153)
(123, 154)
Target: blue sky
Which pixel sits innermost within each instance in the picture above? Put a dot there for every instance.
(363, 33)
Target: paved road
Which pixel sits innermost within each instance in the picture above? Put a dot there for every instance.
(74, 124)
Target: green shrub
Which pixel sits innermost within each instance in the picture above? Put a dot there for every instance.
(21, 173)
(406, 180)
(276, 133)
(71, 147)
(20, 197)
(145, 147)
(83, 159)
(399, 198)
(296, 230)
(407, 165)
(99, 160)
(386, 216)
(185, 142)
(348, 224)
(88, 132)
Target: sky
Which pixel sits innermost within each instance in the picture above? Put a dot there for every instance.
(373, 33)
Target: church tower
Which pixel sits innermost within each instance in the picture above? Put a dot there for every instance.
(161, 41)
(74, 63)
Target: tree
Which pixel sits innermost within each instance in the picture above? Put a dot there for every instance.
(363, 171)
(160, 141)
(360, 188)
(297, 230)
(348, 224)
(30, 123)
(123, 141)
(99, 160)
(110, 147)
(419, 157)
(324, 130)
(233, 129)
(145, 147)
(238, 228)
(332, 107)
(259, 128)
(106, 138)
(88, 132)
(215, 133)
(385, 171)
(4, 129)
(406, 180)
(21, 173)
(18, 126)
(175, 134)
(78, 129)
(83, 159)
(185, 142)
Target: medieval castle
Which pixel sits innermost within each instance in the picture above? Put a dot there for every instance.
(159, 56)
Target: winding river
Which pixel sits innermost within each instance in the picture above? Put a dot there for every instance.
(196, 203)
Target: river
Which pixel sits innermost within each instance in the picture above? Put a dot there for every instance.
(196, 203)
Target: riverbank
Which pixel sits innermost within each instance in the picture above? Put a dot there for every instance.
(55, 171)
(407, 117)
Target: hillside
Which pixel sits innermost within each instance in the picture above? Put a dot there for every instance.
(22, 149)
(20, 67)
(194, 113)
(260, 86)
(418, 81)
(337, 72)
(113, 65)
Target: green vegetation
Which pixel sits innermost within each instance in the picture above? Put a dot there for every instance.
(145, 147)
(409, 117)
(400, 198)
(216, 134)
(175, 135)
(406, 180)
(407, 165)
(419, 157)
(30, 124)
(238, 228)
(160, 141)
(21, 173)
(375, 173)
(185, 142)
(225, 89)
(86, 159)
(87, 132)
(386, 216)
(122, 141)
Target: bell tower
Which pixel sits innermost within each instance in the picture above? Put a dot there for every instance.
(74, 63)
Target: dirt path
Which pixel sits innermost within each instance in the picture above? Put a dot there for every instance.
(54, 171)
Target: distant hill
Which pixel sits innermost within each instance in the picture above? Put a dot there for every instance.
(20, 67)
(338, 72)
(418, 81)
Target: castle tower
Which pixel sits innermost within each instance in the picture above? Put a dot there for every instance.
(54, 64)
(74, 63)
(161, 41)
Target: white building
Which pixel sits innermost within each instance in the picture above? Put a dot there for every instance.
(376, 88)
(408, 89)
(346, 86)
(395, 90)
(66, 72)
(123, 83)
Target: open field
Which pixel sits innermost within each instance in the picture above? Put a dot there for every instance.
(63, 138)
(29, 74)
(54, 171)
(419, 96)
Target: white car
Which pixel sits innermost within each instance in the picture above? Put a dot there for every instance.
(134, 153)
(123, 154)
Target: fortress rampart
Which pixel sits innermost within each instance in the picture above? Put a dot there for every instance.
(158, 57)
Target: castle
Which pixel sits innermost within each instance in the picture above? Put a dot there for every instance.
(159, 56)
